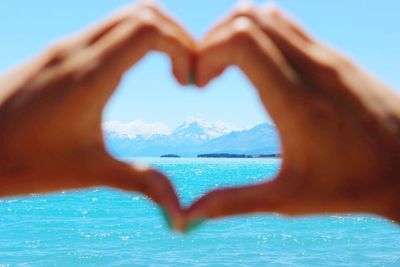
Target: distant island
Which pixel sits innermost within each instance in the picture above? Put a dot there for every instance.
(170, 156)
(228, 155)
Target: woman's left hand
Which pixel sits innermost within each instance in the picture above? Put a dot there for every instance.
(51, 108)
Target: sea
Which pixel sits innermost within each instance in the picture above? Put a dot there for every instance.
(104, 227)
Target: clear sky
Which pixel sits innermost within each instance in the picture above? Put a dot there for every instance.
(368, 31)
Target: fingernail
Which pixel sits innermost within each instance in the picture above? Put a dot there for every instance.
(192, 78)
(167, 218)
(193, 225)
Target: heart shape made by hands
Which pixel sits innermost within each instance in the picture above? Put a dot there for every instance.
(313, 94)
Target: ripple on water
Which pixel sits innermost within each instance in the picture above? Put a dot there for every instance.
(109, 228)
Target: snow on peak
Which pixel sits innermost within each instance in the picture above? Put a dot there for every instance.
(136, 128)
(194, 121)
(196, 127)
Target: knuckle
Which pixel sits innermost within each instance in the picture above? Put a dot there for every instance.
(325, 62)
(60, 44)
(148, 21)
(328, 69)
(329, 61)
(272, 10)
(245, 8)
(57, 50)
(243, 28)
(342, 63)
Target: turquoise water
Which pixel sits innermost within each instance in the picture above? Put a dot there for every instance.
(109, 228)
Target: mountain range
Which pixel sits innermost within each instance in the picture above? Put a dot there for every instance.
(194, 136)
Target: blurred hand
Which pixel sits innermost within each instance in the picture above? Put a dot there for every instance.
(339, 126)
(51, 108)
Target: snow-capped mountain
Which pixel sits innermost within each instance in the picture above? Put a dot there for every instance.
(194, 136)
(261, 139)
(135, 129)
(198, 130)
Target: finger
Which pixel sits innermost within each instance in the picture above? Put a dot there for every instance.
(168, 19)
(146, 181)
(151, 29)
(291, 23)
(318, 65)
(129, 42)
(313, 61)
(118, 48)
(97, 30)
(242, 8)
(180, 70)
(293, 42)
(244, 44)
(258, 14)
(61, 49)
(285, 33)
(69, 45)
(259, 198)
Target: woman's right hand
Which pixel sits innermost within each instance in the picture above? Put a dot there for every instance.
(339, 126)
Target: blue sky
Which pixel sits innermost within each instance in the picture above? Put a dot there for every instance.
(366, 30)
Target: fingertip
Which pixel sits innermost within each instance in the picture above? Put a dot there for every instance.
(184, 68)
(167, 218)
(180, 78)
(192, 78)
(201, 83)
(184, 77)
(204, 79)
(174, 219)
(202, 73)
(147, 181)
(193, 72)
(192, 226)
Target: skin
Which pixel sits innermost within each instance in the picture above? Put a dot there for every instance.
(339, 126)
(51, 108)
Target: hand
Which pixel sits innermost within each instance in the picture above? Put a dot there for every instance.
(339, 126)
(51, 108)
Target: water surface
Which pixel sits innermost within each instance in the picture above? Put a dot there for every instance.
(109, 228)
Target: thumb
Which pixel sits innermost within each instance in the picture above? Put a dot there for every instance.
(149, 182)
(258, 198)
